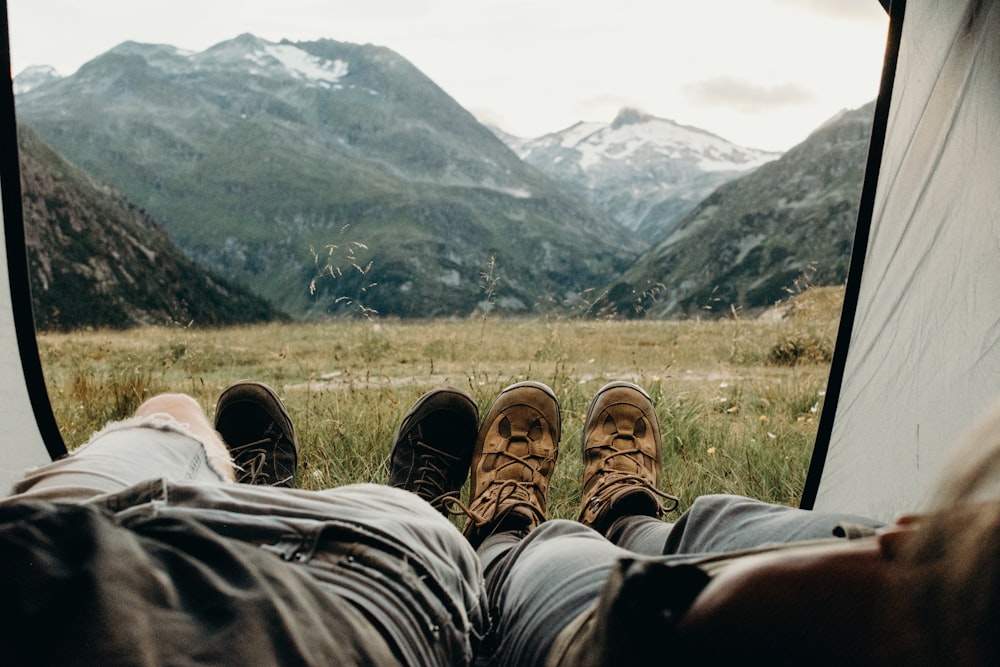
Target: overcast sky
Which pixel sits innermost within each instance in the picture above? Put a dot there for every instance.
(761, 73)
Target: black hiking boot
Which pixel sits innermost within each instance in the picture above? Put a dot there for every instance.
(432, 447)
(256, 427)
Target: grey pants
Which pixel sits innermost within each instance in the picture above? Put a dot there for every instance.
(137, 552)
(539, 583)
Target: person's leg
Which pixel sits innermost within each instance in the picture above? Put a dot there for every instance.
(622, 450)
(515, 453)
(260, 435)
(539, 584)
(725, 523)
(169, 436)
(409, 569)
(621, 457)
(185, 410)
(539, 574)
(431, 453)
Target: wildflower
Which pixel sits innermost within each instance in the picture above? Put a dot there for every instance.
(763, 418)
(771, 435)
(710, 451)
(723, 385)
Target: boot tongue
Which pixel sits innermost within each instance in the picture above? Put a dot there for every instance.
(514, 469)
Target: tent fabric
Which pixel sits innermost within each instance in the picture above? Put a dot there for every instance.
(30, 434)
(23, 445)
(923, 361)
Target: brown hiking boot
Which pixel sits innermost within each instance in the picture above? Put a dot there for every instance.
(621, 457)
(432, 448)
(256, 427)
(515, 455)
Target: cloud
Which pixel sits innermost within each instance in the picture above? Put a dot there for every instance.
(838, 9)
(745, 96)
(598, 107)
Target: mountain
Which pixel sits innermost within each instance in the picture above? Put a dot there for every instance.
(34, 76)
(328, 177)
(97, 261)
(788, 224)
(649, 172)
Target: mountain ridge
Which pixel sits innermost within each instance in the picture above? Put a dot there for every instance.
(755, 240)
(336, 178)
(254, 171)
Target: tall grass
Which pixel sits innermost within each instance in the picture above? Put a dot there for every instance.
(736, 416)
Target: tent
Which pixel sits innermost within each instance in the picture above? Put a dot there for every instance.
(917, 359)
(30, 431)
(917, 356)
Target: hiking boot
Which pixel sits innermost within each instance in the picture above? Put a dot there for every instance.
(258, 431)
(432, 447)
(621, 457)
(515, 455)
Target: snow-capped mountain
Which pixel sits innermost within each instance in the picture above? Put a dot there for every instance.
(262, 159)
(34, 76)
(648, 172)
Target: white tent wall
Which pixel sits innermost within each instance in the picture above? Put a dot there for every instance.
(923, 357)
(30, 434)
(23, 445)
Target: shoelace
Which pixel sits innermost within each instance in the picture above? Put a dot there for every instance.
(497, 493)
(615, 476)
(253, 462)
(432, 479)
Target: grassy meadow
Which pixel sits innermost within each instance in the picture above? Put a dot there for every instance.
(738, 399)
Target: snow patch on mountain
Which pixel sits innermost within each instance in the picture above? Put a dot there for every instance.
(301, 65)
(34, 76)
(650, 138)
(272, 58)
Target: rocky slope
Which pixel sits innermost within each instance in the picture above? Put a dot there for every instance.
(95, 260)
(754, 240)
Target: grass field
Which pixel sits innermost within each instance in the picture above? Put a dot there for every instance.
(738, 400)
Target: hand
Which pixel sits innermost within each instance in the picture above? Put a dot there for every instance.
(892, 538)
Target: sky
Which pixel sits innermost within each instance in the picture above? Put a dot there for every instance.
(760, 73)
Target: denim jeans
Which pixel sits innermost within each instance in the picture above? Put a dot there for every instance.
(540, 583)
